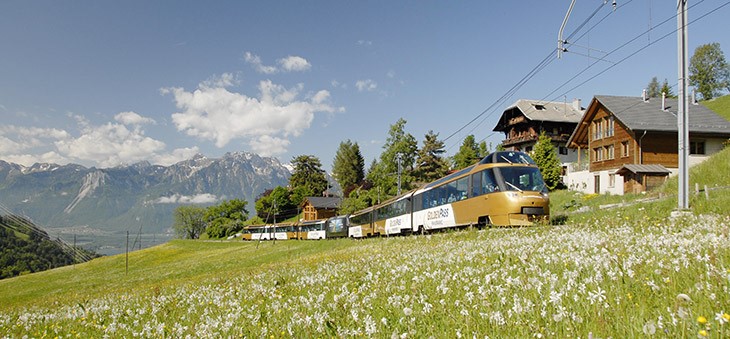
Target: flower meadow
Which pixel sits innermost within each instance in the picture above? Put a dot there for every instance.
(607, 278)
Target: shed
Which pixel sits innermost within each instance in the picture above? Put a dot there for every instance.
(640, 178)
(314, 208)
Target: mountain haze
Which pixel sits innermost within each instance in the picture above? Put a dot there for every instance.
(97, 203)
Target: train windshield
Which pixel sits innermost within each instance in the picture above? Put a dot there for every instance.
(522, 179)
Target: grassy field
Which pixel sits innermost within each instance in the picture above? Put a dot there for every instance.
(720, 105)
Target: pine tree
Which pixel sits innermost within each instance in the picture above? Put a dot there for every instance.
(348, 166)
(667, 89)
(308, 173)
(468, 153)
(546, 158)
(430, 165)
(652, 90)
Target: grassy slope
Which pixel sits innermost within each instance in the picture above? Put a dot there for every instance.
(720, 105)
(172, 264)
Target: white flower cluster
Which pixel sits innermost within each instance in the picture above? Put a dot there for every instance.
(603, 279)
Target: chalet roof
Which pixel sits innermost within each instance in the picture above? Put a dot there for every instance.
(323, 202)
(644, 169)
(537, 110)
(638, 114)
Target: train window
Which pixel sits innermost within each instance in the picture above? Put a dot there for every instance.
(484, 182)
(523, 179)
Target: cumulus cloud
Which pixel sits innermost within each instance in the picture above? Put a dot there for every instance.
(255, 61)
(177, 155)
(132, 118)
(205, 198)
(366, 85)
(291, 63)
(110, 144)
(265, 122)
(294, 64)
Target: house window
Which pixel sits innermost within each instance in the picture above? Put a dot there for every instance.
(696, 147)
(609, 128)
(528, 149)
(625, 149)
(563, 150)
(609, 152)
(598, 154)
(611, 180)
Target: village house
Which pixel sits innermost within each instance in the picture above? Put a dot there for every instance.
(630, 144)
(523, 121)
(315, 208)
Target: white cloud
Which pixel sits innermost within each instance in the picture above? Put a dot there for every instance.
(224, 80)
(177, 155)
(364, 43)
(255, 61)
(294, 64)
(390, 74)
(291, 63)
(132, 118)
(110, 145)
(267, 146)
(366, 85)
(30, 159)
(264, 122)
(205, 198)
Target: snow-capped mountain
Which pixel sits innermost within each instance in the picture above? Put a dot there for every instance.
(128, 197)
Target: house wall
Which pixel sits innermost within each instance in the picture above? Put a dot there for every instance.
(585, 182)
(621, 134)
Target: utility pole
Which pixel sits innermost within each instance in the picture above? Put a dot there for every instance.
(126, 264)
(398, 158)
(683, 109)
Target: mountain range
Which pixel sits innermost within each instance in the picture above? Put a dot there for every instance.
(98, 205)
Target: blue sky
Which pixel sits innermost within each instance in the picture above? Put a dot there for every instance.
(104, 83)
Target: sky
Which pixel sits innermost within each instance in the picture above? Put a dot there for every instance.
(108, 83)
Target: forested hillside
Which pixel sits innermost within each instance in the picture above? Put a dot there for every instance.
(24, 248)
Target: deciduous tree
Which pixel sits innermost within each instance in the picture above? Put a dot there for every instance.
(708, 70)
(225, 218)
(189, 221)
(546, 158)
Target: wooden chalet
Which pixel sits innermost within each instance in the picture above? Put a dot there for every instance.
(523, 121)
(621, 132)
(315, 208)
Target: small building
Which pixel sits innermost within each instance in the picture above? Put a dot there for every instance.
(617, 131)
(315, 208)
(641, 178)
(523, 121)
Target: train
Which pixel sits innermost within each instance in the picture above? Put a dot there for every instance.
(505, 188)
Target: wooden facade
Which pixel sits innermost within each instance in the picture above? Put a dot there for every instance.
(316, 208)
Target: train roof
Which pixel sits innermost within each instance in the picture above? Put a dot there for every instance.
(508, 157)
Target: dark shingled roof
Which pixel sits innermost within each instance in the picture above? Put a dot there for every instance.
(324, 202)
(644, 169)
(638, 114)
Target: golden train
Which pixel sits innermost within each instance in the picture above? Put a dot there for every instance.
(503, 189)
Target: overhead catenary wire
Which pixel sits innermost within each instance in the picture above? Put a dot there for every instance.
(545, 62)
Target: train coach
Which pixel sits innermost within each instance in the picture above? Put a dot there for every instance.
(504, 188)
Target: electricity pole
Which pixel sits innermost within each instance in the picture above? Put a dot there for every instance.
(683, 109)
(398, 158)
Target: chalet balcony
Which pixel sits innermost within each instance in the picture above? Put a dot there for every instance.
(521, 139)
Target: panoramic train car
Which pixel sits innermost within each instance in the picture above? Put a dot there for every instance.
(337, 227)
(313, 229)
(361, 224)
(505, 188)
(269, 232)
